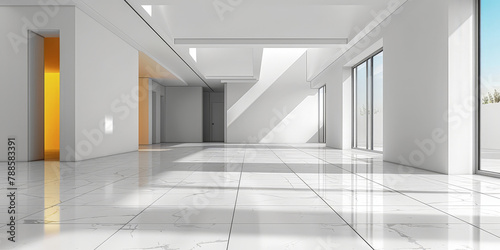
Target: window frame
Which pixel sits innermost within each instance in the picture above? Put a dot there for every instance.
(477, 82)
(369, 99)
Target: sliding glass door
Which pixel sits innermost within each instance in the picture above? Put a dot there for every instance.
(489, 88)
(368, 104)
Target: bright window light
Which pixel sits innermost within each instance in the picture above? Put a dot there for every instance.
(148, 9)
(192, 52)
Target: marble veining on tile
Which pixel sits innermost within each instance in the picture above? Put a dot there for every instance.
(251, 196)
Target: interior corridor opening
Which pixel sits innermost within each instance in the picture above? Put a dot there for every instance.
(152, 105)
(44, 96)
(52, 100)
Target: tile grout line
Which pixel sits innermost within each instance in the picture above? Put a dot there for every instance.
(75, 197)
(397, 191)
(78, 195)
(148, 206)
(342, 218)
(468, 189)
(236, 200)
(72, 178)
(435, 180)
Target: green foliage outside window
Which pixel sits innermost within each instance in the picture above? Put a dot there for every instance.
(491, 98)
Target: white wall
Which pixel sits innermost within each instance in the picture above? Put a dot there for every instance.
(421, 90)
(106, 86)
(14, 67)
(338, 107)
(98, 79)
(416, 86)
(334, 107)
(280, 108)
(184, 114)
(461, 93)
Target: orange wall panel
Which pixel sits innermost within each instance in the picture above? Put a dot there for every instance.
(143, 111)
(52, 98)
(51, 51)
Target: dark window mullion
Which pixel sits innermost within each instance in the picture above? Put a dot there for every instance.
(354, 109)
(368, 104)
(370, 82)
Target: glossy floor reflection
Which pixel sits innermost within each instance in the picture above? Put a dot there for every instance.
(228, 196)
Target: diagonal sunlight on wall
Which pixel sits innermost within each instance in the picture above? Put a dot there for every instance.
(275, 61)
(290, 129)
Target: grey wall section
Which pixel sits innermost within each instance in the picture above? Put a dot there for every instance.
(158, 118)
(184, 114)
(36, 97)
(216, 97)
(14, 67)
(154, 124)
(158, 91)
(106, 86)
(423, 86)
(285, 110)
(206, 116)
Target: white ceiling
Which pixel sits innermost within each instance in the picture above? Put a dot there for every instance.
(225, 31)
(309, 19)
(150, 68)
(229, 34)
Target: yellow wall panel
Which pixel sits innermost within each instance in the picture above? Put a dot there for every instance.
(52, 111)
(52, 89)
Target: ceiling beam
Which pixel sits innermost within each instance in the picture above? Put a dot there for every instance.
(270, 2)
(260, 41)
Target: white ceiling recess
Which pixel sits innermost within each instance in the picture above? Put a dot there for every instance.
(309, 21)
(229, 63)
(150, 68)
(167, 30)
(221, 33)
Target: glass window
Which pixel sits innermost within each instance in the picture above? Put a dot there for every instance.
(368, 104)
(361, 106)
(489, 86)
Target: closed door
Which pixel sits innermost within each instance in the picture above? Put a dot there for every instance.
(217, 122)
